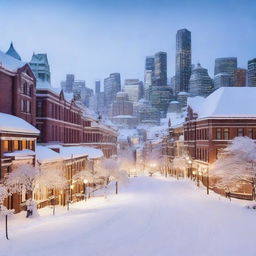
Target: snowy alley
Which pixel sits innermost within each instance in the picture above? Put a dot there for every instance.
(151, 217)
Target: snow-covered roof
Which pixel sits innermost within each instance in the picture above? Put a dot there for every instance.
(78, 151)
(43, 85)
(20, 153)
(229, 102)
(10, 123)
(10, 63)
(45, 154)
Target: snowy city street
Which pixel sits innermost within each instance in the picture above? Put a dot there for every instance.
(151, 216)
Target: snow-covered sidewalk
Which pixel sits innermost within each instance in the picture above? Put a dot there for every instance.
(151, 217)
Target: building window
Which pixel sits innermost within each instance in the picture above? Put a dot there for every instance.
(39, 108)
(218, 134)
(15, 145)
(31, 90)
(24, 88)
(226, 134)
(28, 107)
(250, 133)
(22, 106)
(6, 146)
(240, 132)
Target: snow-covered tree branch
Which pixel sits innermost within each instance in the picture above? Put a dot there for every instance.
(22, 177)
(235, 163)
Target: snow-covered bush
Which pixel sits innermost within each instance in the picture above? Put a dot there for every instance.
(235, 163)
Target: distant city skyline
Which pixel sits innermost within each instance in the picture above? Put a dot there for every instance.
(92, 39)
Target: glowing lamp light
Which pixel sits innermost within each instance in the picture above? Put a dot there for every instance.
(71, 186)
(194, 172)
(85, 181)
(190, 162)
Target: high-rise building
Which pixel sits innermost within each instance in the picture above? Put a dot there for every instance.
(148, 78)
(160, 69)
(252, 72)
(81, 92)
(146, 113)
(226, 65)
(148, 75)
(150, 63)
(240, 77)
(183, 60)
(200, 83)
(134, 89)
(122, 105)
(222, 80)
(112, 85)
(160, 97)
(67, 85)
(97, 87)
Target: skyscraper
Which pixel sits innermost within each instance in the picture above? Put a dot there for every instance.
(67, 85)
(252, 72)
(112, 85)
(97, 87)
(160, 69)
(183, 60)
(222, 80)
(134, 89)
(150, 63)
(240, 77)
(200, 83)
(148, 75)
(226, 65)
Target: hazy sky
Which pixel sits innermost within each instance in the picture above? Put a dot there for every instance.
(94, 38)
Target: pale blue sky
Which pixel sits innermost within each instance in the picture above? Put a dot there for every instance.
(94, 38)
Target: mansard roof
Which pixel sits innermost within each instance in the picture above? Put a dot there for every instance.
(39, 58)
(12, 52)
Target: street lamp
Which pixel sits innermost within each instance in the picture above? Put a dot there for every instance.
(85, 188)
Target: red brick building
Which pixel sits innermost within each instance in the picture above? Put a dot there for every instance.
(17, 86)
(213, 122)
(17, 146)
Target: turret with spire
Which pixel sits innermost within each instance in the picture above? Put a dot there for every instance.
(12, 52)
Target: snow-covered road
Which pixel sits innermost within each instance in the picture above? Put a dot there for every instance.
(150, 217)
